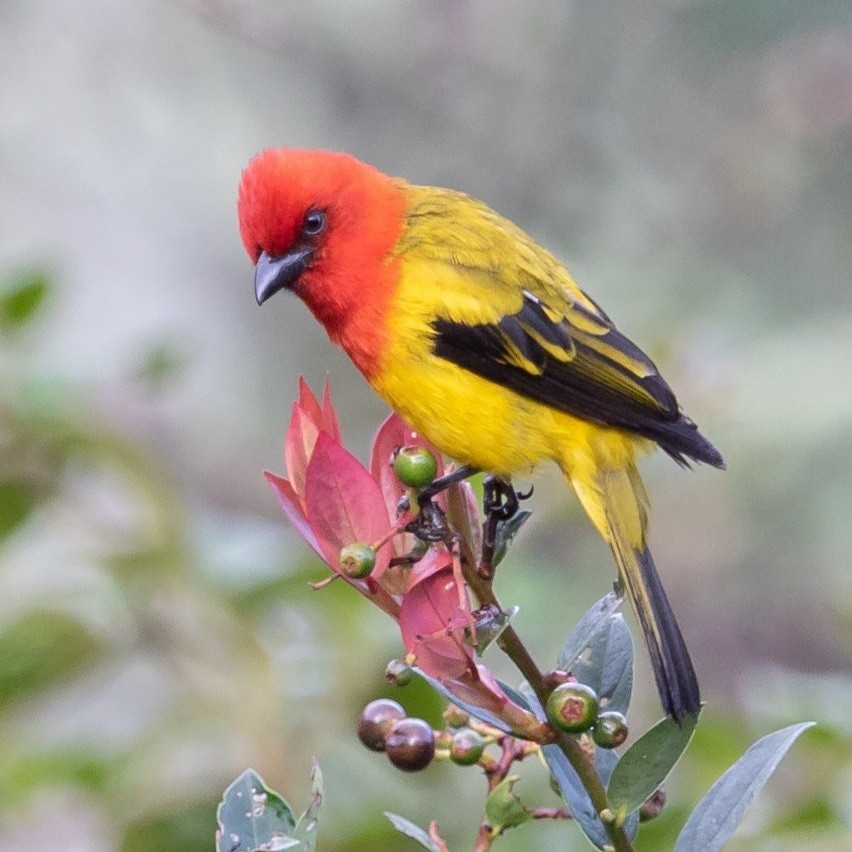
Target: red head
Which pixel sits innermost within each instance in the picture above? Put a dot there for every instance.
(323, 225)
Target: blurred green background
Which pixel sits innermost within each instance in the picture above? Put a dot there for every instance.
(690, 159)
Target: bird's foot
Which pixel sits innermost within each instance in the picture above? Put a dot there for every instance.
(430, 525)
(500, 502)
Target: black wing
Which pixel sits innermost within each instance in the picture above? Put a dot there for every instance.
(577, 362)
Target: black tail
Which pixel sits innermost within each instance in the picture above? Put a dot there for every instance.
(676, 680)
(616, 502)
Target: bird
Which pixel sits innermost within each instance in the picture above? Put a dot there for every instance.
(480, 339)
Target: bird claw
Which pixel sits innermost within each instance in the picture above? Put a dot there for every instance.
(430, 524)
(500, 500)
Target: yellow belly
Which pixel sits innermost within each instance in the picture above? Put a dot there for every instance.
(476, 422)
(472, 419)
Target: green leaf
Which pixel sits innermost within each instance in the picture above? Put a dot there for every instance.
(17, 500)
(503, 808)
(717, 815)
(506, 531)
(606, 663)
(41, 648)
(306, 827)
(20, 300)
(645, 765)
(253, 818)
(582, 634)
(409, 829)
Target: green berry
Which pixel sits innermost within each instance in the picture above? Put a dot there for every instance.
(398, 673)
(357, 560)
(415, 466)
(377, 720)
(410, 745)
(467, 747)
(572, 707)
(610, 729)
(455, 717)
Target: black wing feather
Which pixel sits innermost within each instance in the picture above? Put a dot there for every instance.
(538, 354)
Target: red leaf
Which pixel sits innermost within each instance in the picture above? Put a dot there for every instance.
(292, 506)
(302, 433)
(478, 686)
(308, 402)
(330, 423)
(432, 621)
(343, 504)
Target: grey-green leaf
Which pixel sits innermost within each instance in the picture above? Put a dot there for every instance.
(253, 818)
(485, 715)
(506, 531)
(582, 633)
(572, 789)
(717, 815)
(409, 829)
(606, 663)
(645, 765)
(490, 628)
(306, 828)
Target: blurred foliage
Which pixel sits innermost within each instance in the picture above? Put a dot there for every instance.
(41, 648)
(157, 634)
(20, 298)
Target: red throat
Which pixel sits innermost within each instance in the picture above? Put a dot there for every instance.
(353, 276)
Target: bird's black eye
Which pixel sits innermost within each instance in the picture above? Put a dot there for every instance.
(314, 223)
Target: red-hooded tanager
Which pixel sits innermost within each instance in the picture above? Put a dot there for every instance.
(483, 343)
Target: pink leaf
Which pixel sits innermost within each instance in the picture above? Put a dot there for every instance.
(343, 504)
(478, 686)
(432, 621)
(330, 423)
(302, 434)
(308, 402)
(292, 506)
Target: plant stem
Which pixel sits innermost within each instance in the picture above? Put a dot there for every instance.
(579, 759)
(510, 643)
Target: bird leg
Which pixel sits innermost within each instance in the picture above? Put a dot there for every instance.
(500, 502)
(431, 522)
(442, 483)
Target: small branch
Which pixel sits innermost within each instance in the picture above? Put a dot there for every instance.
(551, 813)
(484, 837)
(514, 648)
(510, 643)
(436, 838)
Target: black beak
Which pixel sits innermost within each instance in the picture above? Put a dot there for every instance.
(275, 273)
